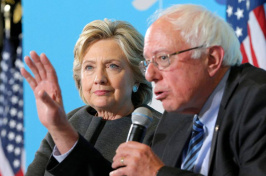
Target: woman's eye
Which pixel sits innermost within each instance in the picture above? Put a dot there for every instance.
(113, 66)
(88, 67)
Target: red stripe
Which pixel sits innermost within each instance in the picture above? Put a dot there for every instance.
(260, 15)
(19, 173)
(254, 59)
(244, 55)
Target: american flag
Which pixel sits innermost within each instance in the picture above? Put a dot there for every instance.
(248, 20)
(12, 155)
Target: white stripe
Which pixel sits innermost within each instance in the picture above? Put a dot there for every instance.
(23, 161)
(247, 49)
(258, 40)
(5, 168)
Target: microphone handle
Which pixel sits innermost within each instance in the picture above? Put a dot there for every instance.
(136, 133)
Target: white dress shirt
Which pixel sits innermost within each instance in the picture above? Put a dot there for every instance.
(208, 116)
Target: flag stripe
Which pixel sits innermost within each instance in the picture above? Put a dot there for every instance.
(258, 41)
(247, 50)
(260, 16)
(244, 55)
(5, 168)
(253, 55)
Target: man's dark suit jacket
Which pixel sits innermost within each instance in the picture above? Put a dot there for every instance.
(239, 140)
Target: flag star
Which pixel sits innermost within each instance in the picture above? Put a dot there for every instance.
(5, 120)
(11, 136)
(6, 55)
(20, 103)
(19, 126)
(19, 63)
(239, 13)
(19, 50)
(238, 32)
(229, 10)
(3, 77)
(20, 114)
(12, 123)
(16, 163)
(13, 112)
(18, 139)
(248, 4)
(17, 151)
(4, 66)
(11, 81)
(14, 99)
(18, 76)
(10, 148)
(15, 87)
(3, 133)
(239, 1)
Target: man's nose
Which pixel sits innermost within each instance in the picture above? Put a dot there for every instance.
(150, 72)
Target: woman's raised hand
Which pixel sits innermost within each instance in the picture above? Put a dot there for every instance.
(45, 86)
(46, 89)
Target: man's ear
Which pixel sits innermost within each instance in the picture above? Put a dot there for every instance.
(215, 59)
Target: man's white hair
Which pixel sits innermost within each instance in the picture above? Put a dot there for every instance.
(198, 26)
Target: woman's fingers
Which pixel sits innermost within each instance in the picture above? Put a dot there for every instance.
(33, 68)
(50, 71)
(41, 68)
(32, 82)
(39, 65)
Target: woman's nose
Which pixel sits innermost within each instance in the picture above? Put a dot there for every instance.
(100, 77)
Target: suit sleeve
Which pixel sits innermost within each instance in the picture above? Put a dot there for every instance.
(172, 171)
(251, 143)
(84, 159)
(37, 167)
(41, 158)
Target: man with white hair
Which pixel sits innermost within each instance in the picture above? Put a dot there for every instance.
(215, 108)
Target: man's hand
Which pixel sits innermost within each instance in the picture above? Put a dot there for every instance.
(135, 159)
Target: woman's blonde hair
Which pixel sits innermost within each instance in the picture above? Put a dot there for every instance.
(131, 43)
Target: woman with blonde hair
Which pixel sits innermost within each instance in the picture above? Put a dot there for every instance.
(106, 73)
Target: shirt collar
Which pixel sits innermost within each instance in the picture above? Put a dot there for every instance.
(212, 104)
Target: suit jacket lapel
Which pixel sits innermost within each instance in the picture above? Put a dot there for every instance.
(171, 136)
(231, 85)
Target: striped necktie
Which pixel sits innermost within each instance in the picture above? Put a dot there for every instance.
(194, 144)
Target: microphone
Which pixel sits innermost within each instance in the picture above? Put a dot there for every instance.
(141, 120)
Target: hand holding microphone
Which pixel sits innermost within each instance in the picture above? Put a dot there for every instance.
(132, 157)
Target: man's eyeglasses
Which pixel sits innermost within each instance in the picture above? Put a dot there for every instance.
(161, 60)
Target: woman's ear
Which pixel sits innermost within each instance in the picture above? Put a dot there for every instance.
(215, 58)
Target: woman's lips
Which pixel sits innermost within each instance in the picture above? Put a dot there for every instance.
(101, 92)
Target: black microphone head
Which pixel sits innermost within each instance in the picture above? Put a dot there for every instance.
(142, 116)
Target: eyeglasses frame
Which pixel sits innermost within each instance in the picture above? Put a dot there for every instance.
(143, 66)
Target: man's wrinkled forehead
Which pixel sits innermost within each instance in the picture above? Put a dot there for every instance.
(160, 34)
